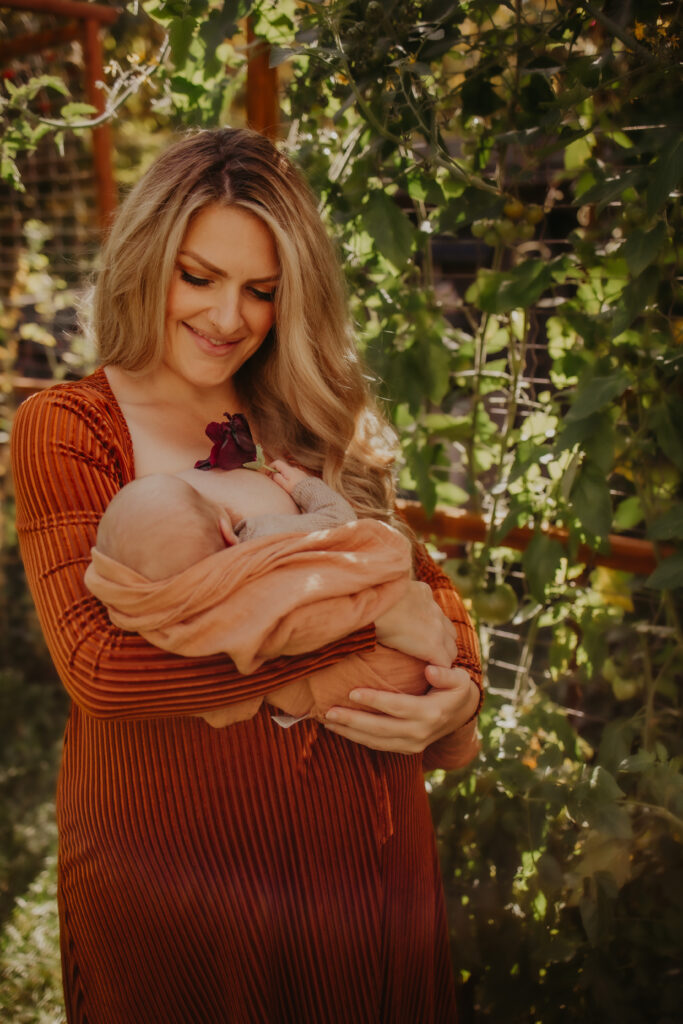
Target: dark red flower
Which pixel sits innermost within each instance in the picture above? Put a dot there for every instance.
(233, 444)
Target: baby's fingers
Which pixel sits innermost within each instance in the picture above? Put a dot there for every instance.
(285, 475)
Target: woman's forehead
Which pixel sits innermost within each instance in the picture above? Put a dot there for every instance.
(232, 242)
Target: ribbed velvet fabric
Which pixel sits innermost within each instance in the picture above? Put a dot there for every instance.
(248, 874)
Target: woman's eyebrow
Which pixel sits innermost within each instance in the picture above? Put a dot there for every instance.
(221, 273)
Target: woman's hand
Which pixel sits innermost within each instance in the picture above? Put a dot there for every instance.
(416, 625)
(406, 724)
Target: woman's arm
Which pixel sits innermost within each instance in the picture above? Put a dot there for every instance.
(406, 724)
(68, 461)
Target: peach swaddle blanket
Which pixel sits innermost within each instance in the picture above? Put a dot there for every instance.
(281, 594)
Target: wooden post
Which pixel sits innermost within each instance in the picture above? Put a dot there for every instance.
(66, 8)
(263, 108)
(34, 42)
(101, 136)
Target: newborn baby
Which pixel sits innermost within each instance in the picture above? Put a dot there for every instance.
(160, 525)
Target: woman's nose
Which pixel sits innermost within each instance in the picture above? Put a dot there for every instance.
(226, 315)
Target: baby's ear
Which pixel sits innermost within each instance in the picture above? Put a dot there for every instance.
(227, 532)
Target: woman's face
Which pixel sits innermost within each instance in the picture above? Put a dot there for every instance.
(220, 303)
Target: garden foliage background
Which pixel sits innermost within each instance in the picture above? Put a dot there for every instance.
(506, 124)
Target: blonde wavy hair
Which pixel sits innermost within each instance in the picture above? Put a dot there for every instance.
(305, 387)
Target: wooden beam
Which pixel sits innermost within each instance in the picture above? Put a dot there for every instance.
(67, 8)
(625, 553)
(24, 387)
(101, 136)
(34, 42)
(263, 108)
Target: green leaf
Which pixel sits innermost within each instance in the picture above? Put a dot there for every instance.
(438, 371)
(193, 90)
(448, 493)
(577, 431)
(540, 562)
(536, 95)
(590, 499)
(633, 300)
(578, 152)
(452, 428)
(639, 762)
(596, 394)
(497, 291)
(391, 229)
(667, 420)
(74, 111)
(643, 247)
(181, 32)
(606, 191)
(599, 447)
(220, 24)
(479, 98)
(425, 189)
(598, 801)
(667, 176)
(9, 172)
(472, 204)
(616, 743)
(628, 513)
(596, 436)
(669, 526)
(420, 465)
(669, 573)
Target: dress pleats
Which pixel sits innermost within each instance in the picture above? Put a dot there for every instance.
(247, 874)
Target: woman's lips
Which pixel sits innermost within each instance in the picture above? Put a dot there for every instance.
(207, 343)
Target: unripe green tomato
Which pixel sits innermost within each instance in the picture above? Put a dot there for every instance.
(480, 227)
(625, 689)
(507, 231)
(526, 231)
(533, 214)
(462, 574)
(609, 670)
(491, 237)
(495, 606)
(513, 209)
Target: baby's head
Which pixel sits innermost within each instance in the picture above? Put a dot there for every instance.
(159, 525)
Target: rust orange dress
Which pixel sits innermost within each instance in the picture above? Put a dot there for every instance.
(247, 874)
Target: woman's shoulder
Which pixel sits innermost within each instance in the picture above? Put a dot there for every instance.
(71, 412)
(90, 398)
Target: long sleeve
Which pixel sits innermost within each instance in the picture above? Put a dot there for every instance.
(70, 455)
(458, 748)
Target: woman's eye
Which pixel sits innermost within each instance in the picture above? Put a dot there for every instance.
(198, 282)
(263, 296)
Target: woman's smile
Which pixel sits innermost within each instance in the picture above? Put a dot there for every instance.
(214, 343)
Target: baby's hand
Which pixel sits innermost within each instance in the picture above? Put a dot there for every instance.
(287, 476)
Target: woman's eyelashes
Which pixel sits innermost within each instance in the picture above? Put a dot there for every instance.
(198, 282)
(263, 296)
(203, 282)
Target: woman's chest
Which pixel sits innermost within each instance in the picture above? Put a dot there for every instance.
(165, 441)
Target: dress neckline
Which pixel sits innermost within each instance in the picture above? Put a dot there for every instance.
(100, 376)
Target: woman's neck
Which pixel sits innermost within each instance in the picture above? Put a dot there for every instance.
(161, 388)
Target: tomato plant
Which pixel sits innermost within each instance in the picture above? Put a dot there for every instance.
(495, 605)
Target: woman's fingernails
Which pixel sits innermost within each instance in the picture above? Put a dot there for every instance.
(332, 716)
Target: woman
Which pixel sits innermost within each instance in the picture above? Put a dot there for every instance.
(250, 873)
